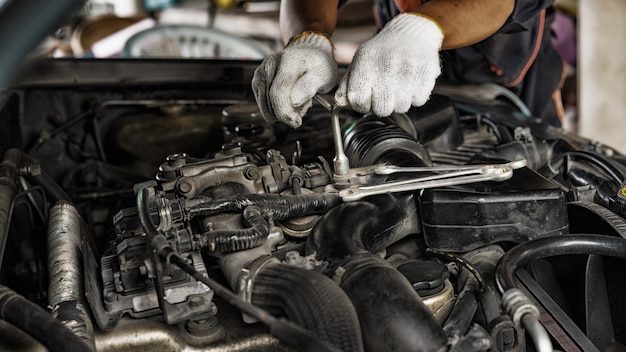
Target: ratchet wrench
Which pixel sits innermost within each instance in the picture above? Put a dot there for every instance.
(341, 162)
(438, 176)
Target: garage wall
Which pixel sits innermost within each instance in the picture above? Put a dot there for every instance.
(602, 71)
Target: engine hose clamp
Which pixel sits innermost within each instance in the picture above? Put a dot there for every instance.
(516, 304)
(245, 282)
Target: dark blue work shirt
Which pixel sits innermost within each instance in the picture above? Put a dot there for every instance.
(518, 56)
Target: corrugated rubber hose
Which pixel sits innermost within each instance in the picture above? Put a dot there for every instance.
(311, 300)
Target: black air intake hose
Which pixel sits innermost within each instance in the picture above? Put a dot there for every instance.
(365, 226)
(392, 315)
(370, 141)
(38, 323)
(282, 206)
(310, 300)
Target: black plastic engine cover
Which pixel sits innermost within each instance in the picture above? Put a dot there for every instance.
(523, 208)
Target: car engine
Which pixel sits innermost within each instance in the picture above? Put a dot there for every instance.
(146, 205)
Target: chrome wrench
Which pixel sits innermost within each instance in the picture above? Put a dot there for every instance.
(460, 175)
(340, 162)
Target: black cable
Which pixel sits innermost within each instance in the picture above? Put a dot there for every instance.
(143, 211)
(255, 151)
(284, 330)
(239, 239)
(462, 262)
(524, 253)
(22, 160)
(71, 122)
(283, 206)
(480, 119)
(604, 165)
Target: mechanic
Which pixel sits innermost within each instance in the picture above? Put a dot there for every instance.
(467, 41)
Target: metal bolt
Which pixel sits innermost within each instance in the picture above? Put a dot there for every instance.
(251, 173)
(196, 302)
(202, 326)
(232, 148)
(185, 187)
(176, 160)
(293, 258)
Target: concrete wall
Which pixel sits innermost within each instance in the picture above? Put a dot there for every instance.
(602, 71)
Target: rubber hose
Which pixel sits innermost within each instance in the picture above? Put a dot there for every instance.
(143, 211)
(365, 226)
(239, 239)
(613, 172)
(8, 189)
(38, 323)
(392, 315)
(462, 314)
(289, 205)
(523, 254)
(605, 189)
(477, 339)
(66, 292)
(54, 192)
(310, 300)
(288, 332)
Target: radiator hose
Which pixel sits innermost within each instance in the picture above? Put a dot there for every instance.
(524, 253)
(514, 301)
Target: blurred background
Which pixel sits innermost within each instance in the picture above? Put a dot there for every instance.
(589, 34)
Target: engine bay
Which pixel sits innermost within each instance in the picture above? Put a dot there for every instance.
(146, 205)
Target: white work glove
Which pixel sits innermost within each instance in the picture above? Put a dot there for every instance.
(395, 69)
(286, 82)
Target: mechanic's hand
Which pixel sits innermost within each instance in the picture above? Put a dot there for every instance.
(395, 69)
(285, 82)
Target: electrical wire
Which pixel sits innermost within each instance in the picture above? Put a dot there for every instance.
(285, 330)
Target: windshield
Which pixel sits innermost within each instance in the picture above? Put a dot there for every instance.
(214, 29)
